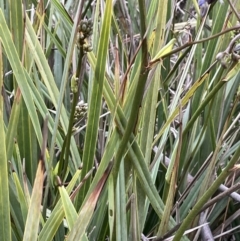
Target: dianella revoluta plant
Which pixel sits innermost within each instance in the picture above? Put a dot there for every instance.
(119, 120)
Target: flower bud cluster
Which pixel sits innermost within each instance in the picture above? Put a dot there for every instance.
(80, 111)
(85, 30)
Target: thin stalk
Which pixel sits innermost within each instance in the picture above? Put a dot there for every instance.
(63, 163)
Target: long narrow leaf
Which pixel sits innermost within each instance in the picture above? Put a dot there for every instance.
(33, 217)
(19, 73)
(95, 103)
(5, 225)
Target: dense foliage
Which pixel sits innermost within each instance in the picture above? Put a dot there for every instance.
(119, 120)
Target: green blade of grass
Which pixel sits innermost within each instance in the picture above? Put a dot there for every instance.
(95, 102)
(12, 125)
(5, 225)
(70, 211)
(19, 73)
(21, 197)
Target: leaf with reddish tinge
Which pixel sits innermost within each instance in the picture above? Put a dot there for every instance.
(86, 211)
(33, 217)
